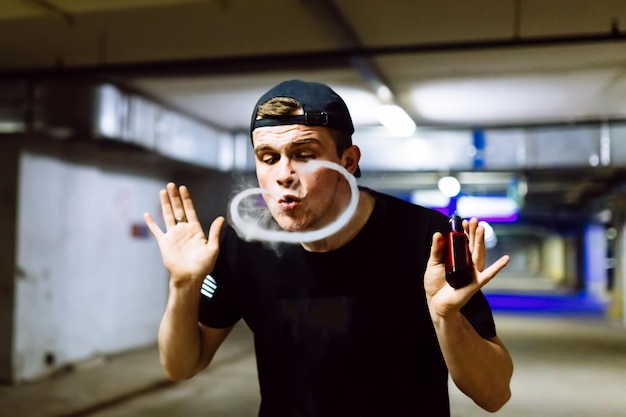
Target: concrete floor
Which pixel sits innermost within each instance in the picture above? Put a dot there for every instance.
(563, 367)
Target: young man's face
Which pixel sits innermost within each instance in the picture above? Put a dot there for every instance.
(304, 199)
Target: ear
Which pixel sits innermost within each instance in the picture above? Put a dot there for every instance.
(350, 158)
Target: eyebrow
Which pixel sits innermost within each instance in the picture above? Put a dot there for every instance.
(295, 144)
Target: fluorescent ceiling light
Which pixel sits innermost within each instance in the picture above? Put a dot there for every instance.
(361, 103)
(487, 207)
(395, 119)
(473, 100)
(430, 198)
(449, 186)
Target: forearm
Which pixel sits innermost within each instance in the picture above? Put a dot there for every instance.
(180, 341)
(481, 368)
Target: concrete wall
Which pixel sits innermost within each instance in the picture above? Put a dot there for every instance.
(80, 274)
(87, 285)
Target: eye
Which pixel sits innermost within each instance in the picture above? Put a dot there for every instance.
(269, 158)
(304, 155)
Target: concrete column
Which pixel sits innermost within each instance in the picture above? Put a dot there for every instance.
(8, 193)
(617, 308)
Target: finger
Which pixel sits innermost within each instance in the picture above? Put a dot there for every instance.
(187, 202)
(465, 224)
(493, 270)
(469, 226)
(178, 211)
(478, 251)
(166, 209)
(476, 241)
(152, 225)
(470, 229)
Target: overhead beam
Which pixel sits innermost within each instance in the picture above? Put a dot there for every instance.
(340, 57)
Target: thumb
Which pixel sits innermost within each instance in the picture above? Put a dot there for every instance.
(152, 225)
(437, 250)
(214, 232)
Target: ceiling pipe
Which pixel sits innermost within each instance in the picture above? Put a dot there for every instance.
(304, 60)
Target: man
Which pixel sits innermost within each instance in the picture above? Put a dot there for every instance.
(361, 322)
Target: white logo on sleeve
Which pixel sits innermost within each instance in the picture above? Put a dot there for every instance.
(208, 286)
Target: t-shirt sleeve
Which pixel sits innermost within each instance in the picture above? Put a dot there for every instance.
(479, 314)
(217, 301)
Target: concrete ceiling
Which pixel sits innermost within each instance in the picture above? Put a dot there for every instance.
(448, 63)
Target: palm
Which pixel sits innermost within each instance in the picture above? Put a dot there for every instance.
(188, 254)
(185, 250)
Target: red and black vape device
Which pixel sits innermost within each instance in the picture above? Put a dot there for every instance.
(459, 268)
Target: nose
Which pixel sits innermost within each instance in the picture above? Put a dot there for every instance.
(286, 174)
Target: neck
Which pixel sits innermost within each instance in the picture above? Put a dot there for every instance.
(347, 233)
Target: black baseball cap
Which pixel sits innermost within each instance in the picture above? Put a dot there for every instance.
(321, 104)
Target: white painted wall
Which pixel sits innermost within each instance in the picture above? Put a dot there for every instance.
(85, 286)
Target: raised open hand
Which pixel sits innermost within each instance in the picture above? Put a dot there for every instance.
(442, 298)
(188, 254)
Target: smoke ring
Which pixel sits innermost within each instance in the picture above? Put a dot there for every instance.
(252, 231)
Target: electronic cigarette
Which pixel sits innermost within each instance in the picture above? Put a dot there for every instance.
(459, 267)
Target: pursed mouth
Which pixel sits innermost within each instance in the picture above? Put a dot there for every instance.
(289, 202)
(288, 199)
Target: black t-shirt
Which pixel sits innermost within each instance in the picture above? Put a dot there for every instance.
(345, 332)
